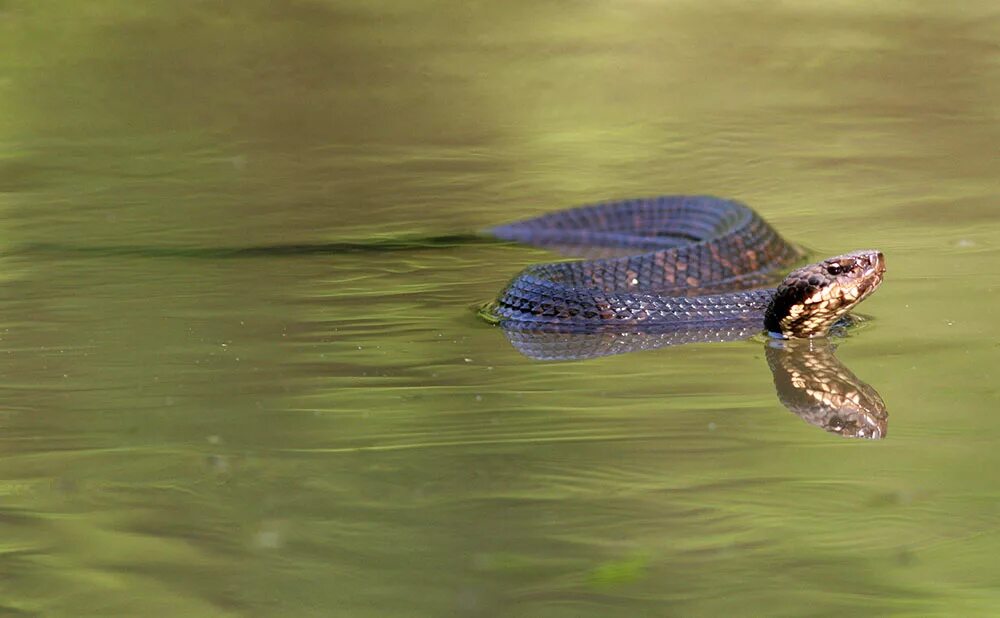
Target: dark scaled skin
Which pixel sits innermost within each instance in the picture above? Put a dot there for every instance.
(699, 263)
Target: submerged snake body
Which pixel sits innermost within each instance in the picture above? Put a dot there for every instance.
(699, 261)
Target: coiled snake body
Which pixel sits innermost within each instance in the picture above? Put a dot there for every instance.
(698, 261)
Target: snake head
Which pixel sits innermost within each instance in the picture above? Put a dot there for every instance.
(813, 297)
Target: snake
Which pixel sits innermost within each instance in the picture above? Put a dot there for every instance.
(689, 262)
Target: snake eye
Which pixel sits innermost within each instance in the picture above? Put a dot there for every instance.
(835, 269)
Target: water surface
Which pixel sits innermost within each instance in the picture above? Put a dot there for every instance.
(190, 431)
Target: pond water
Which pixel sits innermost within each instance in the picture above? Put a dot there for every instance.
(192, 426)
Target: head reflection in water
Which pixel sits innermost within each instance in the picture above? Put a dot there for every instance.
(812, 383)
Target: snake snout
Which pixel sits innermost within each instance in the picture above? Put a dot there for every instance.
(871, 261)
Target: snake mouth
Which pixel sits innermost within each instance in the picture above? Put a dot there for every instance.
(879, 263)
(874, 259)
(872, 273)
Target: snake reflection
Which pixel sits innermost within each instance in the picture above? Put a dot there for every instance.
(809, 379)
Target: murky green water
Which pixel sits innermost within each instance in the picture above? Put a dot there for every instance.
(185, 432)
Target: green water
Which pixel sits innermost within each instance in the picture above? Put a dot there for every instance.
(336, 434)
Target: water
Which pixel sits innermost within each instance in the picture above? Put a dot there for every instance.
(188, 430)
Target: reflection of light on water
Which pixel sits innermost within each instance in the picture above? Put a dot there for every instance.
(270, 535)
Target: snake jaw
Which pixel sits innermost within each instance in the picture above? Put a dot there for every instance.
(814, 297)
